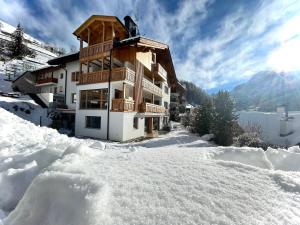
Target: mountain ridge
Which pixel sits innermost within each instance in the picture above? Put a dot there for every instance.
(266, 90)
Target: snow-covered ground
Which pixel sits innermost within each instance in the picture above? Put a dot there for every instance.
(27, 109)
(5, 86)
(49, 179)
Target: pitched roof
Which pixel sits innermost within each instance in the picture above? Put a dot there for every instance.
(103, 18)
(64, 59)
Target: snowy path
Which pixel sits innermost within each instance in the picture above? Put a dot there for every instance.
(176, 179)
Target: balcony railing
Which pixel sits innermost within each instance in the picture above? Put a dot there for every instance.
(118, 74)
(95, 51)
(158, 69)
(149, 86)
(123, 73)
(46, 80)
(122, 105)
(152, 108)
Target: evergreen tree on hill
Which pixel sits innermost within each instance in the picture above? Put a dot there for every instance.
(224, 118)
(16, 47)
(194, 95)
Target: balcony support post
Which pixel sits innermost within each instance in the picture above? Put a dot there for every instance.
(103, 32)
(124, 90)
(81, 44)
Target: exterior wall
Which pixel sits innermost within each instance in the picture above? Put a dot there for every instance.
(121, 123)
(47, 98)
(61, 81)
(71, 85)
(80, 128)
(272, 125)
(121, 126)
(145, 58)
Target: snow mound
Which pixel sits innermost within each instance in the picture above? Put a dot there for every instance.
(13, 184)
(25, 151)
(249, 156)
(283, 159)
(175, 179)
(275, 159)
(60, 199)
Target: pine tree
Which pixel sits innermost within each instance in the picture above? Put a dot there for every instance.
(203, 117)
(223, 119)
(16, 48)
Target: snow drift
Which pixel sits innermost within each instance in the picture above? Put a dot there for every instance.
(177, 179)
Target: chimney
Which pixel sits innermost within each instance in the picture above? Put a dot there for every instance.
(131, 26)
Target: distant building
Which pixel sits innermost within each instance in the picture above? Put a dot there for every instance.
(43, 53)
(279, 128)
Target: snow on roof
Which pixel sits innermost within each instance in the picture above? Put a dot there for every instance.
(189, 106)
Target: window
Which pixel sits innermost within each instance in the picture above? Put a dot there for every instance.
(73, 97)
(93, 122)
(60, 89)
(136, 122)
(93, 99)
(75, 76)
(166, 90)
(61, 76)
(55, 90)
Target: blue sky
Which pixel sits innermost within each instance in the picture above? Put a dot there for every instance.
(214, 43)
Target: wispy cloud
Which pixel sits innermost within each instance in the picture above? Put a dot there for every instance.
(211, 49)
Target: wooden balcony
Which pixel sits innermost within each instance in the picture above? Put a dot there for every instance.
(122, 105)
(157, 69)
(95, 51)
(46, 81)
(152, 108)
(118, 74)
(123, 73)
(152, 88)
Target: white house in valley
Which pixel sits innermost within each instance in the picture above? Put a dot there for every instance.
(117, 87)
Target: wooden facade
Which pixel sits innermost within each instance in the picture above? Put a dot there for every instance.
(132, 63)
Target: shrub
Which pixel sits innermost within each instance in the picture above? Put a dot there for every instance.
(186, 120)
(250, 140)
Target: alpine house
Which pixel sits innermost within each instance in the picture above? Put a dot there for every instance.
(116, 88)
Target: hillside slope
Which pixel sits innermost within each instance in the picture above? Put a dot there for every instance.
(43, 52)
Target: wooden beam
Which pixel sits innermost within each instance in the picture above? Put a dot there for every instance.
(89, 36)
(81, 44)
(112, 31)
(103, 30)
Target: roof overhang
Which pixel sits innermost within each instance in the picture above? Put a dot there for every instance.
(64, 59)
(47, 69)
(79, 32)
